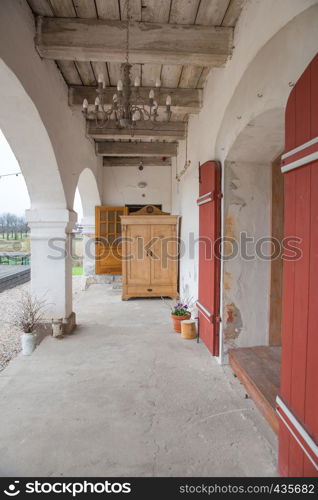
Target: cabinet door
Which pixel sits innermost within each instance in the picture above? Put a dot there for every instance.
(136, 255)
(163, 252)
(108, 239)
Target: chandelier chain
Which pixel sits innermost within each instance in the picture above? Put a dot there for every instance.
(127, 31)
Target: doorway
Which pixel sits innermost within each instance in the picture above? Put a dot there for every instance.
(252, 277)
(258, 367)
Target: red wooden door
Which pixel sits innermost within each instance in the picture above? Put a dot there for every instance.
(297, 403)
(208, 304)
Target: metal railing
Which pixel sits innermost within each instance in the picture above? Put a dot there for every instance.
(15, 260)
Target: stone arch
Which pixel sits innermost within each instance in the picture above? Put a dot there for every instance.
(266, 83)
(48, 216)
(24, 130)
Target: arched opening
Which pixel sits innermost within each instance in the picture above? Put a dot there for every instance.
(89, 194)
(23, 128)
(253, 228)
(48, 216)
(86, 197)
(78, 206)
(14, 230)
(11, 180)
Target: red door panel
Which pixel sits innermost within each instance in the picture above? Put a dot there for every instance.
(298, 401)
(208, 304)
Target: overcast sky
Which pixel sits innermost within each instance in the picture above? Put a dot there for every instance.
(14, 195)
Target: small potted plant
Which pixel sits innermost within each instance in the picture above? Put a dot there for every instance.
(179, 312)
(27, 316)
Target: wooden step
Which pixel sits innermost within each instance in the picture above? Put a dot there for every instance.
(258, 368)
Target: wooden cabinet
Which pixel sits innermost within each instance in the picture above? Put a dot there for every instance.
(150, 255)
(108, 239)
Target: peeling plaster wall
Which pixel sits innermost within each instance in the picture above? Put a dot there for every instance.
(120, 186)
(247, 208)
(45, 85)
(274, 41)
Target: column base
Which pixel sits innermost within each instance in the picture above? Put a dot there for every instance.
(44, 329)
(69, 324)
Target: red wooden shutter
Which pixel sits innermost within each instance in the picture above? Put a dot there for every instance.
(208, 304)
(297, 403)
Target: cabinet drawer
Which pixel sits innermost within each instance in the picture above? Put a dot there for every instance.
(151, 291)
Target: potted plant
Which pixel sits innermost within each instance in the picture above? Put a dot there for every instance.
(180, 311)
(27, 316)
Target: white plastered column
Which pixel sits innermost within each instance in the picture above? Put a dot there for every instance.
(89, 246)
(51, 262)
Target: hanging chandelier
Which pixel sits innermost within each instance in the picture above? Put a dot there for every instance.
(128, 106)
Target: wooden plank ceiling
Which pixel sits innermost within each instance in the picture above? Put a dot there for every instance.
(78, 74)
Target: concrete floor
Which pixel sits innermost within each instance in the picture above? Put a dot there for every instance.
(125, 396)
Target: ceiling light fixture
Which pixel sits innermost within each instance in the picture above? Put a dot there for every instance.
(128, 106)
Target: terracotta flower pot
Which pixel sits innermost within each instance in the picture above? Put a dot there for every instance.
(177, 321)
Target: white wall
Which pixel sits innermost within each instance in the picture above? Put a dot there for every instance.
(120, 186)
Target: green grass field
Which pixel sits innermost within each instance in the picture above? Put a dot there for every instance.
(19, 245)
(77, 271)
(19, 237)
(23, 245)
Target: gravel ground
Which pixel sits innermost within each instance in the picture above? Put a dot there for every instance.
(9, 335)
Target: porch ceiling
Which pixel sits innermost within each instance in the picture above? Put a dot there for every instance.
(205, 41)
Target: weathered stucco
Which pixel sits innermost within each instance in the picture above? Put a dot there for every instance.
(247, 209)
(274, 41)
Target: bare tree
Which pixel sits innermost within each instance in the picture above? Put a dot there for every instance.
(3, 225)
(23, 226)
(11, 224)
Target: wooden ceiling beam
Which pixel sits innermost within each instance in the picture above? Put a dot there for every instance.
(154, 43)
(164, 131)
(135, 161)
(183, 100)
(140, 149)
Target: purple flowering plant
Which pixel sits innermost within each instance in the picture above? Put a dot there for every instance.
(182, 307)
